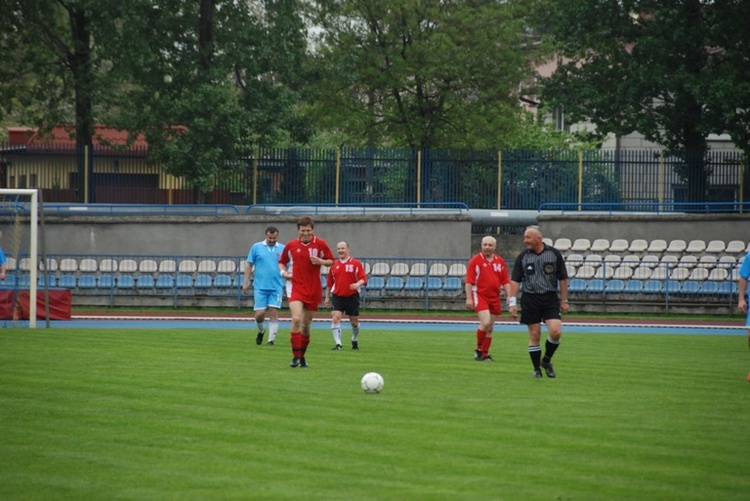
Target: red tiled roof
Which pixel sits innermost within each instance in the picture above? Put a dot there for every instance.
(64, 136)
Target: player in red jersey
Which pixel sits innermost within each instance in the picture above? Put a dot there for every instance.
(345, 278)
(486, 274)
(306, 255)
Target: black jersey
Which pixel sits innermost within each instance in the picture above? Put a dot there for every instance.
(540, 273)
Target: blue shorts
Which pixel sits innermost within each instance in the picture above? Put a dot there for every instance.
(266, 299)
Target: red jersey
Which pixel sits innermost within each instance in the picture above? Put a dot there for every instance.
(487, 276)
(306, 284)
(342, 274)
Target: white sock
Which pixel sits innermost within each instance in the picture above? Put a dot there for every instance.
(273, 329)
(336, 331)
(261, 327)
(355, 333)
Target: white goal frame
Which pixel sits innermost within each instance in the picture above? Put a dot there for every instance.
(33, 246)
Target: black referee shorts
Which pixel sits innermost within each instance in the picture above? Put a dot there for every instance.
(536, 308)
(347, 304)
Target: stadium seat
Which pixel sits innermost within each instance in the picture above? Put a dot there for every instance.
(630, 260)
(633, 287)
(619, 245)
(148, 266)
(167, 266)
(613, 260)
(23, 281)
(652, 286)
(605, 272)
(394, 284)
(638, 245)
(580, 245)
(708, 261)
(67, 281)
(577, 285)
(183, 281)
(699, 274)
(585, 272)
(52, 281)
(10, 263)
(642, 273)
(709, 288)
(563, 244)
(718, 274)
(399, 270)
(68, 265)
(735, 247)
(696, 247)
(227, 266)
(679, 273)
(657, 246)
(374, 285)
(108, 265)
(571, 269)
(413, 284)
(87, 281)
(380, 269)
(547, 241)
(128, 266)
(222, 281)
(650, 260)
(207, 266)
(457, 270)
(660, 273)
(593, 259)
(599, 245)
(434, 284)
(367, 267)
(676, 247)
(165, 282)
(452, 284)
(126, 282)
(615, 286)
(595, 286)
(669, 260)
(88, 265)
(690, 287)
(688, 261)
(10, 281)
(203, 281)
(727, 289)
(623, 273)
(187, 266)
(574, 259)
(144, 283)
(438, 270)
(418, 270)
(105, 282)
(715, 247)
(672, 286)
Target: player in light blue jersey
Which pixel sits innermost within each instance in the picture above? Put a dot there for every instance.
(743, 294)
(268, 285)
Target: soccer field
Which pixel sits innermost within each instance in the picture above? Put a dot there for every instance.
(207, 414)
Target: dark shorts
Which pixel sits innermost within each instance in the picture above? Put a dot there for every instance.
(348, 304)
(536, 308)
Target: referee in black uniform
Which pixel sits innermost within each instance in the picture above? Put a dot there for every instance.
(541, 268)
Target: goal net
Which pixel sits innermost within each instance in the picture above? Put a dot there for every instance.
(19, 239)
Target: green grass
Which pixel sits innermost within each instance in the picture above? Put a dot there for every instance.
(200, 414)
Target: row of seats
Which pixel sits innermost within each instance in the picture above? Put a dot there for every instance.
(650, 267)
(672, 287)
(657, 246)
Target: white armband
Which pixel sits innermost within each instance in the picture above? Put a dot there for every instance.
(511, 301)
(282, 273)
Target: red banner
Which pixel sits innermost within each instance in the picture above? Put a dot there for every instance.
(60, 301)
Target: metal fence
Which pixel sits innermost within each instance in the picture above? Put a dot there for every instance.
(629, 180)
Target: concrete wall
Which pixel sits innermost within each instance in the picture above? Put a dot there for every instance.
(433, 236)
(649, 227)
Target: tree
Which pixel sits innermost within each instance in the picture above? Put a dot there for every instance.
(421, 74)
(639, 65)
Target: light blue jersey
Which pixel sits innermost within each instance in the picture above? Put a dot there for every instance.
(745, 273)
(265, 258)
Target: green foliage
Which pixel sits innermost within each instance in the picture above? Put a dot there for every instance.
(198, 413)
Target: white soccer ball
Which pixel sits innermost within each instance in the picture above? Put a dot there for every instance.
(372, 382)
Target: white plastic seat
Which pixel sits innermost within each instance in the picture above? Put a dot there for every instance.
(638, 245)
(11, 263)
(642, 273)
(88, 265)
(599, 245)
(437, 270)
(108, 265)
(226, 266)
(563, 244)
(187, 266)
(207, 266)
(605, 272)
(457, 270)
(574, 259)
(630, 260)
(570, 269)
(593, 260)
(650, 260)
(708, 261)
(612, 260)
(68, 265)
(623, 273)
(669, 260)
(167, 266)
(128, 266)
(718, 274)
(380, 269)
(727, 261)
(688, 261)
(418, 270)
(696, 246)
(399, 269)
(51, 264)
(147, 266)
(735, 247)
(619, 245)
(677, 246)
(580, 245)
(547, 241)
(699, 274)
(586, 271)
(659, 273)
(715, 247)
(657, 246)
(679, 273)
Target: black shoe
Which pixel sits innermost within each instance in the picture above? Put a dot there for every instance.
(478, 355)
(537, 374)
(488, 358)
(355, 345)
(303, 363)
(337, 347)
(271, 343)
(259, 338)
(548, 368)
(295, 362)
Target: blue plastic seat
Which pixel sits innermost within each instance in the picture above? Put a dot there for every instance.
(414, 284)
(727, 288)
(652, 287)
(394, 284)
(203, 282)
(222, 281)
(452, 284)
(105, 282)
(165, 282)
(434, 284)
(67, 281)
(125, 282)
(691, 287)
(577, 285)
(709, 288)
(51, 279)
(595, 286)
(615, 286)
(375, 284)
(145, 282)
(87, 282)
(184, 282)
(10, 281)
(672, 286)
(633, 287)
(23, 281)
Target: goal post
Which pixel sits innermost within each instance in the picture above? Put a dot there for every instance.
(19, 215)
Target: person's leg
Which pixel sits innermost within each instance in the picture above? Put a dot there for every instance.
(307, 318)
(260, 303)
(354, 322)
(297, 310)
(336, 328)
(535, 349)
(554, 330)
(273, 325)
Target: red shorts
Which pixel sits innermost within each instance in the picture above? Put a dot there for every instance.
(306, 305)
(482, 303)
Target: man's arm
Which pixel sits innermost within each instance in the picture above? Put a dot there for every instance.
(246, 279)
